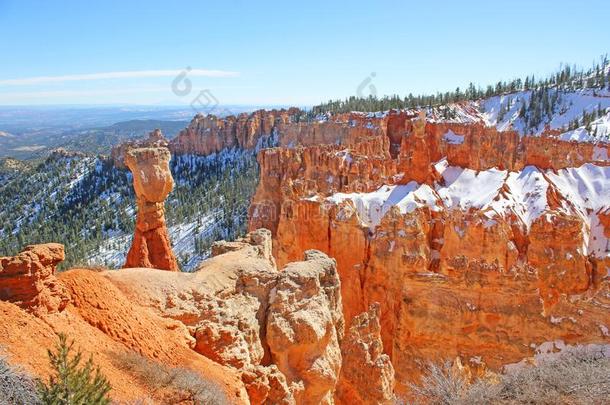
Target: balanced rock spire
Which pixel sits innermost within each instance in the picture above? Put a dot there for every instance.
(152, 182)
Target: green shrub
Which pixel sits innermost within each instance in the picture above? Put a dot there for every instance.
(71, 383)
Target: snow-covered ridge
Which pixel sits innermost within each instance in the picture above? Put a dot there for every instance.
(504, 112)
(559, 110)
(498, 193)
(511, 112)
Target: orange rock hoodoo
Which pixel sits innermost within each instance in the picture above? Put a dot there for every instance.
(367, 375)
(477, 243)
(152, 182)
(29, 281)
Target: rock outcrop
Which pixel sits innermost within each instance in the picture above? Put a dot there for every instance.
(367, 374)
(224, 304)
(460, 232)
(28, 279)
(279, 330)
(155, 139)
(152, 182)
(105, 324)
(207, 134)
(304, 327)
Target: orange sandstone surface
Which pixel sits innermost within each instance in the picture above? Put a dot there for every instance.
(279, 329)
(103, 323)
(259, 334)
(477, 244)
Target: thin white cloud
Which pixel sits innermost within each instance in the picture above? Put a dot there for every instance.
(118, 75)
(80, 93)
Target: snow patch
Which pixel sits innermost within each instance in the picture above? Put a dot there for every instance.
(498, 193)
(466, 188)
(372, 207)
(600, 154)
(453, 139)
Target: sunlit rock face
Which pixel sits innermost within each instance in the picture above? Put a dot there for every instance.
(37, 305)
(476, 243)
(367, 375)
(152, 182)
(280, 330)
(304, 326)
(207, 134)
(28, 279)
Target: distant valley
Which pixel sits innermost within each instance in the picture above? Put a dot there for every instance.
(32, 132)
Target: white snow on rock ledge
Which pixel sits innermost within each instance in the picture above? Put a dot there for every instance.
(453, 139)
(587, 190)
(526, 197)
(466, 188)
(600, 154)
(372, 207)
(498, 193)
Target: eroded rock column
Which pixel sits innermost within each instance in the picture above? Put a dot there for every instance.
(367, 374)
(304, 326)
(152, 182)
(415, 159)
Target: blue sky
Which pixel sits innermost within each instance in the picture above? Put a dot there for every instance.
(299, 53)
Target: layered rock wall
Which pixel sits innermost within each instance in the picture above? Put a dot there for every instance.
(476, 243)
(207, 134)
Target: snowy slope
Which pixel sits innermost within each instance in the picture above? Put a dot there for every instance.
(88, 205)
(570, 106)
(503, 112)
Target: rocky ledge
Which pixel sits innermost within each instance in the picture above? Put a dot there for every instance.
(280, 330)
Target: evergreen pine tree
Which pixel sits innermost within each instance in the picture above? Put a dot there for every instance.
(73, 384)
(522, 110)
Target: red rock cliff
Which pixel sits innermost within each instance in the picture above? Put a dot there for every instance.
(207, 134)
(477, 244)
